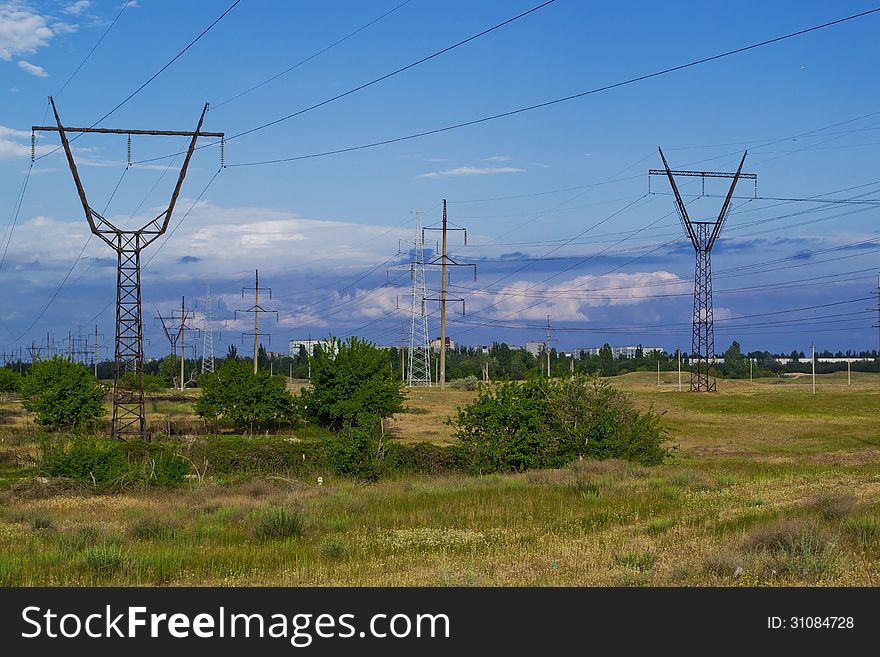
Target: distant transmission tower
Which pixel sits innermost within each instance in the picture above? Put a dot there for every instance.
(207, 332)
(257, 310)
(419, 340)
(128, 400)
(703, 235)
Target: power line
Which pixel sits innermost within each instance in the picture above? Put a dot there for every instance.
(371, 82)
(312, 56)
(154, 76)
(563, 99)
(95, 47)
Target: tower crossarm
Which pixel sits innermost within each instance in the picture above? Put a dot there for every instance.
(679, 204)
(725, 209)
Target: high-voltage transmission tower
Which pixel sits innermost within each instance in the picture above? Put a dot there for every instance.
(257, 310)
(207, 332)
(128, 400)
(703, 235)
(419, 340)
(444, 261)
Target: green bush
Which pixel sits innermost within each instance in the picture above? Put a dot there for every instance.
(246, 399)
(467, 383)
(542, 423)
(152, 382)
(352, 383)
(105, 465)
(278, 522)
(10, 380)
(62, 393)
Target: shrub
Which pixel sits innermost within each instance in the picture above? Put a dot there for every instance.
(796, 547)
(834, 506)
(152, 382)
(104, 560)
(62, 393)
(541, 423)
(467, 383)
(238, 395)
(10, 380)
(352, 383)
(105, 465)
(278, 522)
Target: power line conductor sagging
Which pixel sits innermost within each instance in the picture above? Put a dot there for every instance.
(128, 392)
(702, 235)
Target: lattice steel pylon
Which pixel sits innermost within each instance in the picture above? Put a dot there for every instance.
(702, 235)
(419, 341)
(207, 333)
(128, 401)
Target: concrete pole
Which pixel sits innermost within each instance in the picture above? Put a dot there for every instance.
(256, 316)
(441, 374)
(848, 374)
(813, 352)
(679, 369)
(182, 332)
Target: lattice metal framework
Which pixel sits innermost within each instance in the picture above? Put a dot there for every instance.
(128, 399)
(703, 235)
(419, 360)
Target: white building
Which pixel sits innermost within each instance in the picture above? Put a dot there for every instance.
(309, 345)
(534, 348)
(616, 351)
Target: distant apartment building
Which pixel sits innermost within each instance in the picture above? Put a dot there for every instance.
(616, 351)
(435, 343)
(309, 345)
(534, 348)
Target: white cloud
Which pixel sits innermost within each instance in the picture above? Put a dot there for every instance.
(33, 69)
(22, 31)
(570, 300)
(496, 158)
(16, 144)
(471, 171)
(540, 165)
(77, 8)
(228, 242)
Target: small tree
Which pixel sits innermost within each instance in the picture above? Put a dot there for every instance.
(10, 381)
(62, 393)
(352, 384)
(237, 395)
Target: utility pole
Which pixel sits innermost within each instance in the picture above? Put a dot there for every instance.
(256, 309)
(848, 373)
(679, 369)
(446, 261)
(658, 372)
(185, 315)
(750, 369)
(128, 401)
(702, 235)
(549, 339)
(813, 353)
(95, 349)
(402, 350)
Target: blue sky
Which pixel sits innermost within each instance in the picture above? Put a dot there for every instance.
(555, 201)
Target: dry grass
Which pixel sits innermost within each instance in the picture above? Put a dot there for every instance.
(772, 486)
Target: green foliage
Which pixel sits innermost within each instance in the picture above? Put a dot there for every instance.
(10, 380)
(106, 465)
(62, 393)
(352, 384)
(152, 382)
(237, 395)
(543, 423)
(278, 522)
(467, 383)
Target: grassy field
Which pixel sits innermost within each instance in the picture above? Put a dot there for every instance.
(771, 485)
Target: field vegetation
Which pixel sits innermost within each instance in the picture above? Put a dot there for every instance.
(769, 485)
